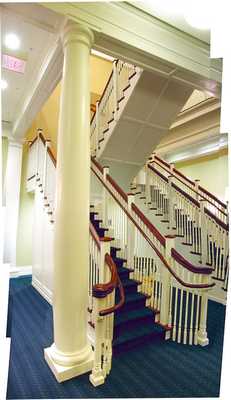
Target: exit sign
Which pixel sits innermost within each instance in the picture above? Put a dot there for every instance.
(13, 64)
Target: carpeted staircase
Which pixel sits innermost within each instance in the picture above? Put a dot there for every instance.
(134, 323)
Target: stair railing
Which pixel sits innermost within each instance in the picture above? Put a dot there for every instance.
(103, 281)
(107, 107)
(188, 217)
(193, 188)
(156, 265)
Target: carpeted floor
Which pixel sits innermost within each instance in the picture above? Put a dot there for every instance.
(163, 369)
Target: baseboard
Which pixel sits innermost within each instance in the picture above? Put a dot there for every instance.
(217, 299)
(45, 292)
(16, 271)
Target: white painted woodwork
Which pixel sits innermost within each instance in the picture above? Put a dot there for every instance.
(71, 353)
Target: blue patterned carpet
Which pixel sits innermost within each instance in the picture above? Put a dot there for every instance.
(163, 369)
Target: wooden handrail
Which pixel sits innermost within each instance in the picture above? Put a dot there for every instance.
(186, 264)
(101, 290)
(190, 198)
(117, 188)
(192, 183)
(150, 226)
(158, 253)
(190, 188)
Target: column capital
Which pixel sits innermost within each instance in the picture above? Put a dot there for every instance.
(74, 32)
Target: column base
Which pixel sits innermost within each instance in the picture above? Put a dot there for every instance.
(63, 373)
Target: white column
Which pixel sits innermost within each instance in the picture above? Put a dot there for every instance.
(71, 354)
(12, 200)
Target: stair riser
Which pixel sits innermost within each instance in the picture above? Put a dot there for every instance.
(133, 305)
(114, 252)
(123, 327)
(134, 343)
(119, 262)
(128, 289)
(124, 275)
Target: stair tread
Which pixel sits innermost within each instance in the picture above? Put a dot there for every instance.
(130, 297)
(144, 330)
(129, 282)
(133, 315)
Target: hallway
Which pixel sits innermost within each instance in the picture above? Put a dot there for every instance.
(164, 369)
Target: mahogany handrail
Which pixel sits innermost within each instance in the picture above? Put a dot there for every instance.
(186, 264)
(101, 290)
(199, 286)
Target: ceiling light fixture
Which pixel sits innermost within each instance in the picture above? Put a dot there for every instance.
(4, 84)
(12, 41)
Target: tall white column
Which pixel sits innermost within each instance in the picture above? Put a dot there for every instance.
(71, 354)
(12, 200)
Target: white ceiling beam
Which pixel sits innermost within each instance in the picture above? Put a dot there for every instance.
(145, 40)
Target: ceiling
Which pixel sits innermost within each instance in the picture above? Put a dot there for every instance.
(36, 35)
(172, 12)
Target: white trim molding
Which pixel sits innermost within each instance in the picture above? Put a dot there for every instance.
(44, 291)
(145, 41)
(16, 271)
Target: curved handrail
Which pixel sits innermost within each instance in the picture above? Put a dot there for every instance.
(186, 264)
(101, 290)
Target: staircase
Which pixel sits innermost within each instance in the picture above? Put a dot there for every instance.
(134, 323)
(143, 285)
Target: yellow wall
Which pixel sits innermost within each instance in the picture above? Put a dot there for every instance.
(212, 171)
(47, 118)
(25, 221)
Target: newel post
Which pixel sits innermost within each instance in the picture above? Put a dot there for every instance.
(130, 234)
(105, 198)
(166, 282)
(203, 227)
